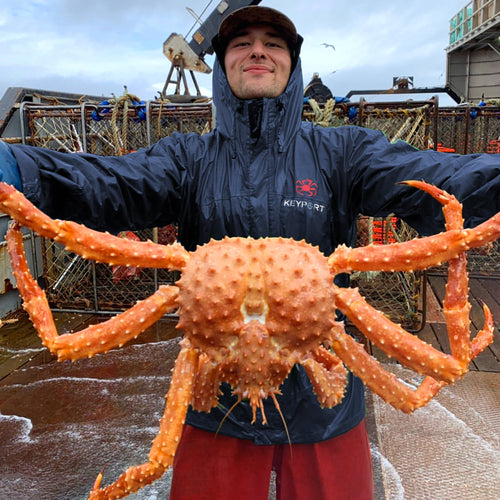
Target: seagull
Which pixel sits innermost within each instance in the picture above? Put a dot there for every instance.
(329, 45)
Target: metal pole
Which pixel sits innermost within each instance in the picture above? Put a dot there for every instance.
(84, 127)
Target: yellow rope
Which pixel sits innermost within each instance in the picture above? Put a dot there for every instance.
(121, 104)
(323, 116)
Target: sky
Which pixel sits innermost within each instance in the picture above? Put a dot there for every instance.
(97, 47)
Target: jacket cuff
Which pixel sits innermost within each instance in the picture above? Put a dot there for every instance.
(9, 170)
(28, 172)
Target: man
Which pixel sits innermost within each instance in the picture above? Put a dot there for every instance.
(240, 180)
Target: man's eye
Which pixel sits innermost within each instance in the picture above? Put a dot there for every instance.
(277, 45)
(239, 44)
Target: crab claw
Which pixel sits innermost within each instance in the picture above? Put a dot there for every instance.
(95, 493)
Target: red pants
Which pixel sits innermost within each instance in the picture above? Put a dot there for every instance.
(216, 467)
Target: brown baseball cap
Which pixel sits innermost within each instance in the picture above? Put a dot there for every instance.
(255, 14)
(240, 19)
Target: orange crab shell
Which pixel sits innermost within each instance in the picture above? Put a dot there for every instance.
(254, 308)
(230, 282)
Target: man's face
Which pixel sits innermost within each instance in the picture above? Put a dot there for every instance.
(258, 63)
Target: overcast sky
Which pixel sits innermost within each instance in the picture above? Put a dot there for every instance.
(98, 46)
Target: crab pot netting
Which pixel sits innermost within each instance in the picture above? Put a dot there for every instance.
(467, 129)
(75, 284)
(399, 294)
(78, 284)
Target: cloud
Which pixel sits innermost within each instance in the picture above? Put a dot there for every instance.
(100, 47)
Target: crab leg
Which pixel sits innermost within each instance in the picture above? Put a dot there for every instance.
(408, 349)
(206, 388)
(456, 306)
(90, 244)
(328, 376)
(416, 254)
(94, 339)
(419, 253)
(165, 444)
(385, 384)
(394, 340)
(380, 381)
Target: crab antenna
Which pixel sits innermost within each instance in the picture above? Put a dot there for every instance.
(227, 414)
(282, 419)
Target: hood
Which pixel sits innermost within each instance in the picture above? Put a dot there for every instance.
(280, 116)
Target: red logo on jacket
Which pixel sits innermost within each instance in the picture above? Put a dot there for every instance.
(306, 187)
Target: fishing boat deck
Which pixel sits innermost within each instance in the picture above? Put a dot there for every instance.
(482, 290)
(450, 448)
(450, 445)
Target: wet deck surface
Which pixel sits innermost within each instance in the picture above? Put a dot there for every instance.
(450, 449)
(61, 423)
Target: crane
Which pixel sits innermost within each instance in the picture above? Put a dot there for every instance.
(189, 56)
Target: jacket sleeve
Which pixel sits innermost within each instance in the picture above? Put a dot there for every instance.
(375, 167)
(134, 191)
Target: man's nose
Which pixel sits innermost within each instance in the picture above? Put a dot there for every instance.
(258, 49)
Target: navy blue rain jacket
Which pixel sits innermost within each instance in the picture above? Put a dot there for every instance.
(263, 172)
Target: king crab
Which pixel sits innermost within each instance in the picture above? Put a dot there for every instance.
(251, 309)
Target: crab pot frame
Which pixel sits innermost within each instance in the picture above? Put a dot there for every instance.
(73, 284)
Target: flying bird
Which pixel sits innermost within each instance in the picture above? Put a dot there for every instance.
(329, 45)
